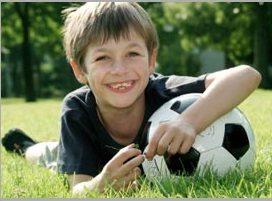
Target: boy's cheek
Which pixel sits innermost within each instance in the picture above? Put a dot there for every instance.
(83, 79)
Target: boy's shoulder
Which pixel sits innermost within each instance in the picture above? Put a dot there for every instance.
(80, 97)
(80, 93)
(173, 81)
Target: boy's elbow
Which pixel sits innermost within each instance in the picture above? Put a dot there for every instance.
(254, 76)
(78, 189)
(75, 191)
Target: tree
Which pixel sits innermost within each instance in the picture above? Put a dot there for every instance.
(243, 31)
(44, 48)
(11, 42)
(23, 13)
(31, 34)
(263, 42)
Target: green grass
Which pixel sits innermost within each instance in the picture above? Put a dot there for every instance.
(19, 179)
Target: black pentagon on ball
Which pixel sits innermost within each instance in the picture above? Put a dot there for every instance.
(236, 140)
(180, 107)
(185, 164)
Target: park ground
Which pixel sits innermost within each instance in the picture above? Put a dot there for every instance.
(41, 121)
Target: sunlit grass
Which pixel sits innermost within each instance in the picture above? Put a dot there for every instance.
(41, 120)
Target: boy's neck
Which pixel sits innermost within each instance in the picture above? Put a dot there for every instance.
(123, 124)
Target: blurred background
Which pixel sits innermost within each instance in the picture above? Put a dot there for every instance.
(195, 38)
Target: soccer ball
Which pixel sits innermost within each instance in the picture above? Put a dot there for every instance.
(227, 143)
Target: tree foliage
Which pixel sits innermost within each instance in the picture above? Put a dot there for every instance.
(228, 27)
(51, 73)
(243, 31)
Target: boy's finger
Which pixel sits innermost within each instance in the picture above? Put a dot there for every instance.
(184, 148)
(135, 185)
(125, 154)
(128, 179)
(132, 175)
(130, 145)
(175, 145)
(164, 142)
(153, 144)
(132, 164)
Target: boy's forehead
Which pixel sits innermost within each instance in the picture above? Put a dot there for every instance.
(133, 40)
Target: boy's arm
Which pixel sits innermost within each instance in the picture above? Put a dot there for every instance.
(75, 179)
(224, 90)
(80, 182)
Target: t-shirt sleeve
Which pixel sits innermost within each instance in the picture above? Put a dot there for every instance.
(185, 84)
(76, 148)
(168, 87)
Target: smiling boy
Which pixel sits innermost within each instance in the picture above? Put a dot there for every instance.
(112, 48)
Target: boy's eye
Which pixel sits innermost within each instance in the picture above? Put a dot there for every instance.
(101, 58)
(133, 54)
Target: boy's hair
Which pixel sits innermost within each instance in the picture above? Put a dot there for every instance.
(97, 22)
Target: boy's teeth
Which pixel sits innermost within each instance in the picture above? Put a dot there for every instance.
(121, 85)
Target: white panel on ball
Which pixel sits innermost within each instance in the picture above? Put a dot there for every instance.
(247, 160)
(156, 168)
(250, 134)
(219, 160)
(211, 137)
(234, 116)
(166, 115)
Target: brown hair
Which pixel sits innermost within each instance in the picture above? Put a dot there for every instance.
(96, 22)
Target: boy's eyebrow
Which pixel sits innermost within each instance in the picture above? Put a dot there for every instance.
(134, 44)
(103, 49)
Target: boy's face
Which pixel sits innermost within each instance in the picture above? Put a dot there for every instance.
(118, 72)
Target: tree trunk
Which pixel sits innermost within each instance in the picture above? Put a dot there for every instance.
(261, 43)
(23, 11)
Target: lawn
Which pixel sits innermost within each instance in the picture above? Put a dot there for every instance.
(41, 121)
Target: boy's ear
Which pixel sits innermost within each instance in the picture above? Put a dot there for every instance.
(153, 59)
(78, 72)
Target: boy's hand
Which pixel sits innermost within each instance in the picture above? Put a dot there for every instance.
(122, 170)
(176, 136)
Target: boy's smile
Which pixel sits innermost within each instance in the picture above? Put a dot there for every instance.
(121, 87)
(118, 71)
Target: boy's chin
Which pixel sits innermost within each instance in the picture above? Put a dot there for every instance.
(122, 104)
(125, 101)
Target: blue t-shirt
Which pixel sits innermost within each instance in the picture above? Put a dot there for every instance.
(86, 146)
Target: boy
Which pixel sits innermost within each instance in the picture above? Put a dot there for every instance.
(112, 48)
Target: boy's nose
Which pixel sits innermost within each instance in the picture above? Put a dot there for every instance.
(119, 68)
